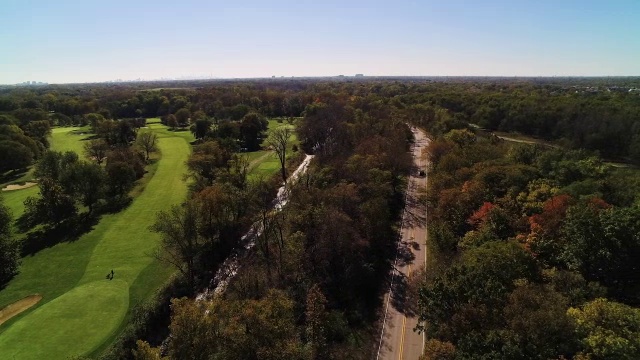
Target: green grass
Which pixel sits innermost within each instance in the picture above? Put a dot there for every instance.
(15, 199)
(81, 310)
(265, 163)
(70, 139)
(62, 139)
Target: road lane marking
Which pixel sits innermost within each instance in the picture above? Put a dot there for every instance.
(404, 323)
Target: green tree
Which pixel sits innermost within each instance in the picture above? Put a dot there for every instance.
(200, 128)
(9, 247)
(87, 181)
(537, 323)
(469, 295)
(96, 150)
(120, 178)
(182, 117)
(52, 207)
(608, 330)
(172, 121)
(252, 128)
(14, 156)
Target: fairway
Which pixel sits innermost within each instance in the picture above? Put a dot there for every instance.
(81, 309)
(15, 199)
(265, 163)
(69, 139)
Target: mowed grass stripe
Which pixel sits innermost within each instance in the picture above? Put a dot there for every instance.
(124, 245)
(132, 228)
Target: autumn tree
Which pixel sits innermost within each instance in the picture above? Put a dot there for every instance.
(316, 321)
(206, 161)
(262, 329)
(180, 243)
(96, 150)
(147, 141)
(279, 140)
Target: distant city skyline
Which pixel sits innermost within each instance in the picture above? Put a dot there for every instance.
(83, 41)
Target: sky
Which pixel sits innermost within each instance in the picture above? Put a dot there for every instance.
(89, 41)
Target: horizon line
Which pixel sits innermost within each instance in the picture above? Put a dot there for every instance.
(282, 77)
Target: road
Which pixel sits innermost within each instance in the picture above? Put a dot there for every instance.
(398, 340)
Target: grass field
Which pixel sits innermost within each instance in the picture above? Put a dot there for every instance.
(62, 139)
(15, 199)
(70, 139)
(265, 163)
(81, 310)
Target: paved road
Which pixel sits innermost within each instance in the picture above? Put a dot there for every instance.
(398, 340)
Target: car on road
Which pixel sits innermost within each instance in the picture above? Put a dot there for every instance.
(421, 173)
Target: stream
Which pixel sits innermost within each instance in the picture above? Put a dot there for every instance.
(230, 267)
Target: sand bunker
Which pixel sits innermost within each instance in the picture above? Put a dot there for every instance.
(18, 307)
(19, 187)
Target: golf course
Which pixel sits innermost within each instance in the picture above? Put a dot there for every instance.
(73, 299)
(80, 308)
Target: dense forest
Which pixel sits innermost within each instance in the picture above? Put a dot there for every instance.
(533, 249)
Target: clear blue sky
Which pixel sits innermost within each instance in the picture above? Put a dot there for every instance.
(79, 41)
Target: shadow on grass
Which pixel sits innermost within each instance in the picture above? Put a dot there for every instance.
(13, 175)
(68, 230)
(65, 231)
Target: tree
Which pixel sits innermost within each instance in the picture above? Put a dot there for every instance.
(86, 181)
(279, 140)
(182, 117)
(262, 329)
(96, 150)
(9, 248)
(469, 295)
(537, 323)
(316, 320)
(608, 330)
(206, 161)
(180, 243)
(252, 128)
(147, 141)
(14, 156)
(94, 120)
(200, 128)
(144, 351)
(53, 206)
(604, 245)
(172, 122)
(120, 178)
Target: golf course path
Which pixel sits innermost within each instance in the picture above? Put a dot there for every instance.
(82, 319)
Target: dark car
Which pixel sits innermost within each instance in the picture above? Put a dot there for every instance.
(421, 173)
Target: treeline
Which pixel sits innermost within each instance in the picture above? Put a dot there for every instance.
(312, 286)
(579, 114)
(533, 253)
